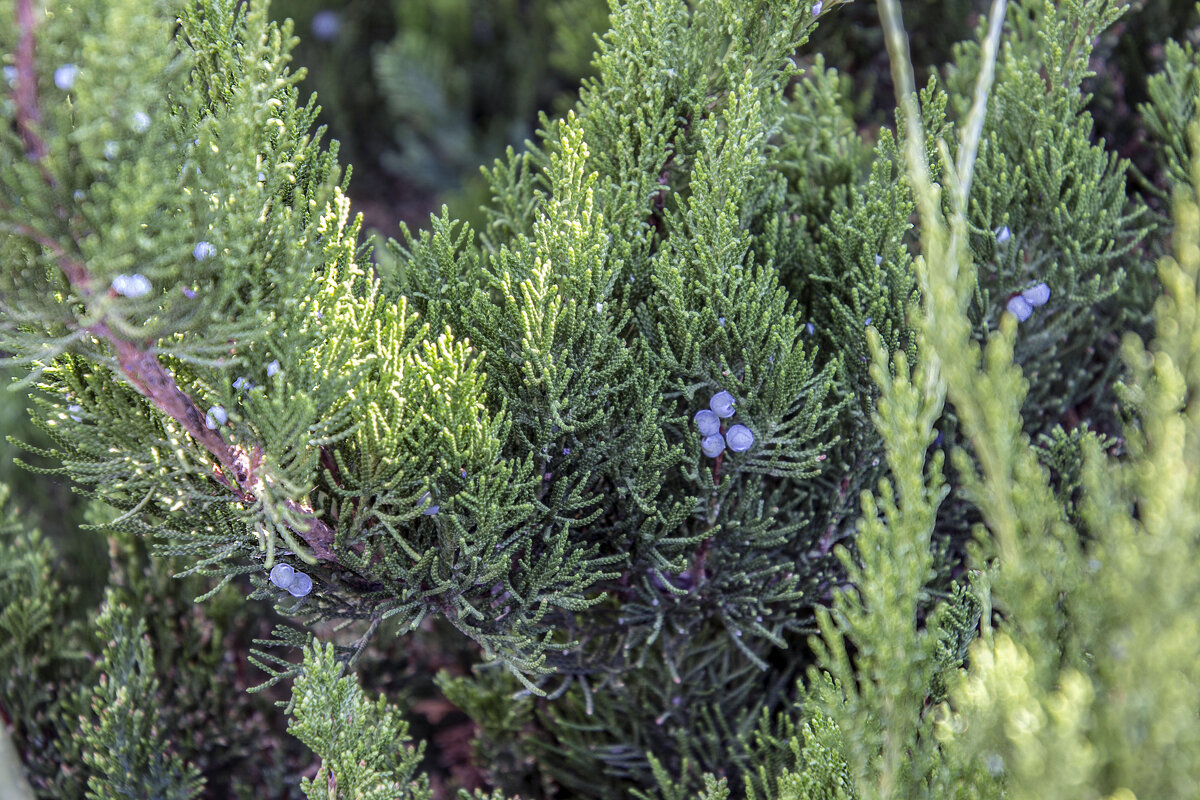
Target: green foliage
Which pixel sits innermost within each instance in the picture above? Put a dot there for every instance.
(879, 610)
(1062, 199)
(494, 426)
(180, 671)
(124, 738)
(1062, 691)
(614, 291)
(363, 745)
(421, 92)
(452, 64)
(1170, 110)
(40, 661)
(1106, 707)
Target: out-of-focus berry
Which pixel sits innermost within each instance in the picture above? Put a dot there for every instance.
(1019, 307)
(282, 575)
(1037, 295)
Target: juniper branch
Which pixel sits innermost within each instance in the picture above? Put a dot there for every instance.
(28, 114)
(235, 466)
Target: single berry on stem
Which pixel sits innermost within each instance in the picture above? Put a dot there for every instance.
(722, 404)
(707, 422)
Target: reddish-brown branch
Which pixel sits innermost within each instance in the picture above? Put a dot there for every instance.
(151, 378)
(28, 115)
(234, 468)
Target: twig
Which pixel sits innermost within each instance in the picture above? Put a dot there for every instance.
(28, 114)
(142, 369)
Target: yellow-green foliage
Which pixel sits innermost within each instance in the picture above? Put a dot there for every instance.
(363, 745)
(1084, 681)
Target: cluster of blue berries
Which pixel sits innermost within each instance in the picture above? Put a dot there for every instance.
(737, 438)
(1022, 305)
(297, 583)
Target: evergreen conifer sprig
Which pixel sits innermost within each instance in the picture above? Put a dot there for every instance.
(136, 760)
(1168, 114)
(363, 746)
(1057, 199)
(42, 673)
(1025, 717)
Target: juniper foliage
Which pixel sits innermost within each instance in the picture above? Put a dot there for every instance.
(493, 428)
(1025, 718)
(363, 746)
(125, 737)
(42, 675)
(1169, 111)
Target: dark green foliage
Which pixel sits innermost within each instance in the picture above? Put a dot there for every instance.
(463, 79)
(1061, 198)
(180, 670)
(1168, 113)
(1062, 454)
(421, 92)
(1125, 58)
(123, 737)
(637, 235)
(42, 664)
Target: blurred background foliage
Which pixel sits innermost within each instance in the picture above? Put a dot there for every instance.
(421, 93)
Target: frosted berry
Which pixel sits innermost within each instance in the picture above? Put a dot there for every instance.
(203, 250)
(1003, 234)
(300, 586)
(135, 285)
(272, 368)
(140, 121)
(713, 445)
(432, 510)
(707, 422)
(64, 76)
(1019, 307)
(739, 438)
(215, 416)
(1037, 295)
(282, 575)
(722, 404)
